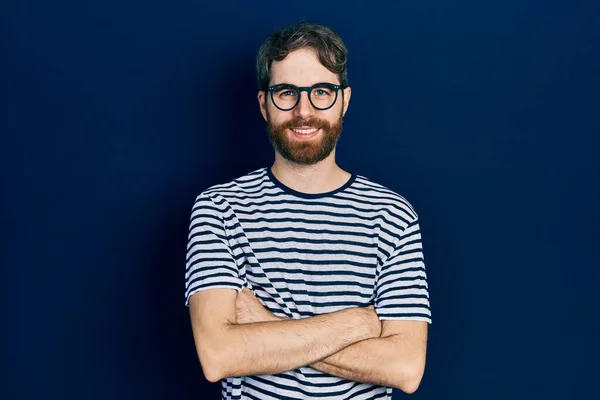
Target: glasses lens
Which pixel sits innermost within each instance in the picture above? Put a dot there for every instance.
(323, 96)
(285, 97)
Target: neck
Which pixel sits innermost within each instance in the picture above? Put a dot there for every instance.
(322, 177)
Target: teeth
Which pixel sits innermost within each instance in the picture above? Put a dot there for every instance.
(305, 131)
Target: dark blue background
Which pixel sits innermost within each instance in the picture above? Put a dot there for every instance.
(115, 114)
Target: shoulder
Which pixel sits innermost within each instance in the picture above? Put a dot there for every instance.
(386, 199)
(248, 183)
(216, 197)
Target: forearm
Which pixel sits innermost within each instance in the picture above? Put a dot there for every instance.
(381, 361)
(368, 361)
(364, 361)
(388, 361)
(283, 345)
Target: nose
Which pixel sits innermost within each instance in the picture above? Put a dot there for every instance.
(304, 109)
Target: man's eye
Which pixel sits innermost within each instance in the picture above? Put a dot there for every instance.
(322, 92)
(286, 92)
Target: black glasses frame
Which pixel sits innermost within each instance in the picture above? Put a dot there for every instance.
(308, 90)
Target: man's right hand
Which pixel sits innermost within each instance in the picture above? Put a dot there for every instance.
(249, 309)
(372, 320)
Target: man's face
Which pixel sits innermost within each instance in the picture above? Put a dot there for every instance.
(303, 135)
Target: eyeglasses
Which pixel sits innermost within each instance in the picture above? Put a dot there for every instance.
(322, 95)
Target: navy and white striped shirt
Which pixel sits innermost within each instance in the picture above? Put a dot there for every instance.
(304, 255)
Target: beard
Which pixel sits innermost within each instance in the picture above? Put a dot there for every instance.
(305, 152)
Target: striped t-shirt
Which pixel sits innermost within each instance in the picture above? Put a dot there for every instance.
(304, 255)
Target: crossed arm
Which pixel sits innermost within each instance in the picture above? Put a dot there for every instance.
(351, 343)
(396, 359)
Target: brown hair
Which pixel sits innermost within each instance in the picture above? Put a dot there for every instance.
(329, 46)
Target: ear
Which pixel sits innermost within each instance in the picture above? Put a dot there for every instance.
(347, 95)
(262, 103)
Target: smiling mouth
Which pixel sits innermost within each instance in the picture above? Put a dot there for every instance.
(305, 131)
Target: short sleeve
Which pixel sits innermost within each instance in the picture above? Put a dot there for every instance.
(209, 262)
(401, 291)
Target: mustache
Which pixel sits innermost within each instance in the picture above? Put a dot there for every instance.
(313, 123)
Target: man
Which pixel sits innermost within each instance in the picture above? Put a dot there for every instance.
(304, 280)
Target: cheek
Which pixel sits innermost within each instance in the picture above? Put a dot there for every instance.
(277, 117)
(333, 114)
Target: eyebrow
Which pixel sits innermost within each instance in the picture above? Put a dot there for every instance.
(316, 83)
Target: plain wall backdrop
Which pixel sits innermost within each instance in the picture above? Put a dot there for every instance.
(116, 114)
